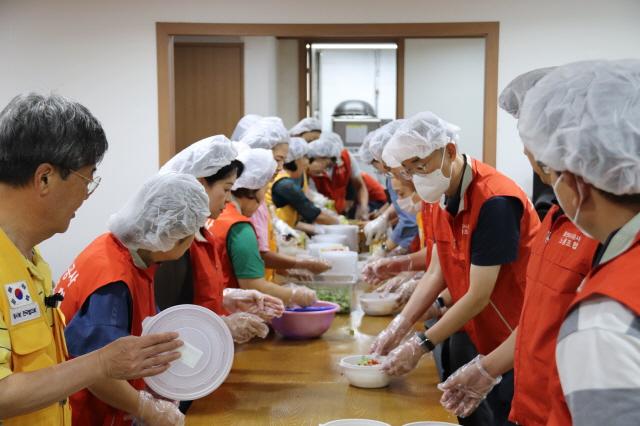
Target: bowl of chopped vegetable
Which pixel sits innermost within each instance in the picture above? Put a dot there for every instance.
(364, 371)
(306, 323)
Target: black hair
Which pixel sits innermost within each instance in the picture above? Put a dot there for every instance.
(245, 193)
(226, 171)
(333, 159)
(291, 166)
(625, 199)
(37, 129)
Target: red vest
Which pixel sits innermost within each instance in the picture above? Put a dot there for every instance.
(103, 262)
(453, 241)
(375, 190)
(335, 187)
(220, 228)
(616, 279)
(208, 280)
(560, 259)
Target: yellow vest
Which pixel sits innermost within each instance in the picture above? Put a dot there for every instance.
(287, 213)
(34, 343)
(420, 228)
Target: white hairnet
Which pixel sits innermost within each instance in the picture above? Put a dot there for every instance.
(203, 158)
(364, 152)
(328, 145)
(418, 136)
(381, 137)
(243, 125)
(266, 133)
(298, 148)
(512, 96)
(259, 167)
(166, 209)
(305, 125)
(584, 117)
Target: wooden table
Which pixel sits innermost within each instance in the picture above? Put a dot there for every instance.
(287, 382)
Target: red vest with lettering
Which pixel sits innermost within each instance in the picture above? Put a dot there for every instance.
(220, 228)
(374, 188)
(103, 262)
(335, 187)
(494, 323)
(560, 259)
(616, 279)
(207, 276)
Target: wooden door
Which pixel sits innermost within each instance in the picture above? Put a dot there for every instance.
(209, 96)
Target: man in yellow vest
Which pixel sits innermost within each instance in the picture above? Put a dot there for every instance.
(49, 148)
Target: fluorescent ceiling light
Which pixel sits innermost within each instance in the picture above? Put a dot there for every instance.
(369, 46)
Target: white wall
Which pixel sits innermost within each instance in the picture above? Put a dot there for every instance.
(351, 74)
(287, 69)
(103, 54)
(446, 76)
(260, 75)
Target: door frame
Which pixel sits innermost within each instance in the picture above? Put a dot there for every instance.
(167, 31)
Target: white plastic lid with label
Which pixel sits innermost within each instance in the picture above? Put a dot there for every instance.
(207, 353)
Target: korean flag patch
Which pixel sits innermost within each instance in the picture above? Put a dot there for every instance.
(18, 294)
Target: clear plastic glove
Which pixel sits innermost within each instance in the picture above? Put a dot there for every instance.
(465, 389)
(312, 264)
(253, 302)
(285, 232)
(302, 296)
(318, 199)
(362, 212)
(376, 229)
(391, 336)
(392, 284)
(381, 269)
(157, 412)
(434, 312)
(405, 291)
(245, 326)
(404, 358)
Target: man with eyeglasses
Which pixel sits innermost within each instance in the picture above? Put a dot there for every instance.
(49, 148)
(483, 234)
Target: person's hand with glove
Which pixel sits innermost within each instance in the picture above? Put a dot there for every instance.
(318, 199)
(404, 358)
(392, 284)
(388, 267)
(157, 412)
(286, 233)
(465, 389)
(252, 301)
(362, 211)
(405, 291)
(301, 296)
(391, 336)
(313, 264)
(245, 326)
(376, 229)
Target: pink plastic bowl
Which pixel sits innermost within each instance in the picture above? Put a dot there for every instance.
(305, 325)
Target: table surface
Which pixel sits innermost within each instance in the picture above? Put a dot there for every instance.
(286, 382)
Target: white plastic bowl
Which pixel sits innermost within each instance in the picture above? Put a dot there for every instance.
(355, 422)
(364, 376)
(427, 423)
(330, 238)
(378, 304)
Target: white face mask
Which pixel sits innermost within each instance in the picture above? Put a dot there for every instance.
(432, 187)
(573, 219)
(407, 205)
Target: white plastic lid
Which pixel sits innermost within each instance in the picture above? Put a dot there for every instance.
(207, 354)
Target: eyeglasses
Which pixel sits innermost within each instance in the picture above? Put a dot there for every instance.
(92, 184)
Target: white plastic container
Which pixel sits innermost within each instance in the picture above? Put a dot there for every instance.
(349, 231)
(364, 376)
(343, 263)
(330, 238)
(314, 249)
(355, 422)
(379, 304)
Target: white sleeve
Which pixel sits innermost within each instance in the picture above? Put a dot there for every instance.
(355, 168)
(598, 357)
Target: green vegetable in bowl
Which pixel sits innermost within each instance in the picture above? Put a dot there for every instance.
(342, 297)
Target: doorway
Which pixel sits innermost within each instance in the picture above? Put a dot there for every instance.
(208, 90)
